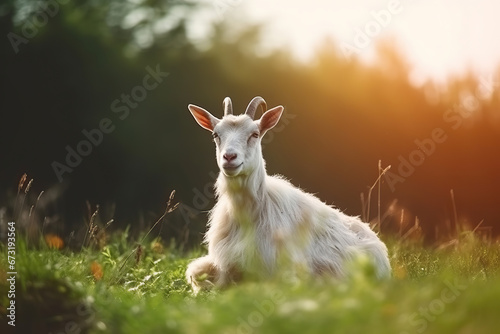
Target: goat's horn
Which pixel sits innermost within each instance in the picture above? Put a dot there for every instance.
(228, 106)
(254, 104)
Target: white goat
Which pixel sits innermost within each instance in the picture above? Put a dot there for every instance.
(259, 219)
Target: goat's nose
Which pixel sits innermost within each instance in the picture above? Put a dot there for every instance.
(229, 156)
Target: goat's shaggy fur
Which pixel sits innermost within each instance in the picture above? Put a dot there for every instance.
(259, 220)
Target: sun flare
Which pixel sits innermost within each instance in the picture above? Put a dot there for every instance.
(438, 38)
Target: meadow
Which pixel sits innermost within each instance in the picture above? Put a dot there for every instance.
(133, 285)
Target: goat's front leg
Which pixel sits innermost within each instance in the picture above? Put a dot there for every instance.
(202, 273)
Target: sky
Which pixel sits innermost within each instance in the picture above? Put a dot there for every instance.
(438, 37)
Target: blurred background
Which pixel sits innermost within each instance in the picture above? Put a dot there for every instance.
(94, 102)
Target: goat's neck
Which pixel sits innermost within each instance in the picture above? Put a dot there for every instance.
(244, 192)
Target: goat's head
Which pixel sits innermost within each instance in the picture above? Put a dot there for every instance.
(238, 138)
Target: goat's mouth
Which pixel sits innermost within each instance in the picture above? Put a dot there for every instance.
(230, 169)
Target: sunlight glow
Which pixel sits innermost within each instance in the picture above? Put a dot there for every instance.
(438, 37)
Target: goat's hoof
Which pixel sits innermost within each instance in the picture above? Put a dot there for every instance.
(200, 282)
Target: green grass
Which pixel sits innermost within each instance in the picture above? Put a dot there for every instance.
(454, 290)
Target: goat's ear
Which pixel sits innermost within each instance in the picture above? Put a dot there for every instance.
(205, 119)
(270, 118)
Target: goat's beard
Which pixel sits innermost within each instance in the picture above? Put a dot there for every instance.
(232, 172)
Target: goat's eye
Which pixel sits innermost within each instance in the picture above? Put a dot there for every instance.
(253, 135)
(215, 136)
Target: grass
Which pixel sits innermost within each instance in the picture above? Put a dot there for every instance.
(453, 290)
(110, 284)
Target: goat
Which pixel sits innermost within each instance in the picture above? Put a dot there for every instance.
(259, 219)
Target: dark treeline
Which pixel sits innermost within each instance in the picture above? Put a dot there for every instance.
(94, 108)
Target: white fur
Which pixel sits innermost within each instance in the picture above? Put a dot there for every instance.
(262, 221)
